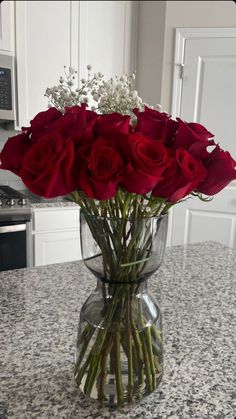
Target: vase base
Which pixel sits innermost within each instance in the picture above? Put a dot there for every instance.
(109, 397)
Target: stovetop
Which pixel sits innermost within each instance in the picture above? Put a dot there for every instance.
(14, 205)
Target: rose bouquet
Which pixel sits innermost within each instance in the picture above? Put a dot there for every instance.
(125, 170)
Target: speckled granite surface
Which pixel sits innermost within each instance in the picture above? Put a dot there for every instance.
(49, 203)
(39, 310)
(40, 202)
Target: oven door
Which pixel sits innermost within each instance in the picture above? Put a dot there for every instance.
(13, 245)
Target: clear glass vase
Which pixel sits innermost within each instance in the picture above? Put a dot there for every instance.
(119, 349)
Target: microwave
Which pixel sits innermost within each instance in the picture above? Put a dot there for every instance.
(6, 88)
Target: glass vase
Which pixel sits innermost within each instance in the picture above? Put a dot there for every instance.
(119, 349)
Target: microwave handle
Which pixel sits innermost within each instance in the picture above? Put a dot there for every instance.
(12, 228)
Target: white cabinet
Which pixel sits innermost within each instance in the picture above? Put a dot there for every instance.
(56, 236)
(42, 49)
(51, 34)
(7, 26)
(108, 31)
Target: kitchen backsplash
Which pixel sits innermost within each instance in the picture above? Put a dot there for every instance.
(6, 177)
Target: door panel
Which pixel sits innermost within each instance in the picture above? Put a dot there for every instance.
(209, 97)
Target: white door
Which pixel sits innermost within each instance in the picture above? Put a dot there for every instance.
(208, 96)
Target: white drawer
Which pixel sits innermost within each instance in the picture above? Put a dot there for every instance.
(56, 219)
(56, 247)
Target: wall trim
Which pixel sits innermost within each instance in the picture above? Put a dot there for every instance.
(181, 36)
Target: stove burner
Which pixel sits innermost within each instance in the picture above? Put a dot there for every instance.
(13, 204)
(7, 192)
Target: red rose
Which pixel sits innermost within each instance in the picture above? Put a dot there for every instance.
(102, 171)
(221, 170)
(114, 121)
(75, 122)
(48, 168)
(41, 122)
(193, 137)
(156, 125)
(13, 152)
(181, 178)
(148, 160)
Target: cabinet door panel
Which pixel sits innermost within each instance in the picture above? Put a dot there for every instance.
(7, 26)
(56, 247)
(108, 32)
(43, 48)
(56, 219)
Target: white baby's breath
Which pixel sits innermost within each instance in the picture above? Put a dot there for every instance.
(113, 95)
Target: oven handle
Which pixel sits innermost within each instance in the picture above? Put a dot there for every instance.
(12, 228)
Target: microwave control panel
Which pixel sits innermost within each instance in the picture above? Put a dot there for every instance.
(5, 89)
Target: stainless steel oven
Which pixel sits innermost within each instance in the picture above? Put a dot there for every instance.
(15, 230)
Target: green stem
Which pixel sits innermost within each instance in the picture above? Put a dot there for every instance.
(147, 363)
(85, 338)
(118, 375)
(129, 349)
(92, 373)
(103, 368)
(150, 355)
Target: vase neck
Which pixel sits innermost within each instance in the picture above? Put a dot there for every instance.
(129, 287)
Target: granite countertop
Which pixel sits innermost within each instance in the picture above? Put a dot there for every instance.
(39, 310)
(40, 202)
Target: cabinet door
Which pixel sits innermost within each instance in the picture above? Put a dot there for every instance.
(56, 247)
(43, 33)
(107, 33)
(7, 26)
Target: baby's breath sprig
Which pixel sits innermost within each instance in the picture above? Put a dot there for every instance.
(117, 95)
(114, 95)
(67, 94)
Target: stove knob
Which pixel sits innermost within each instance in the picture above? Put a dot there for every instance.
(10, 202)
(22, 202)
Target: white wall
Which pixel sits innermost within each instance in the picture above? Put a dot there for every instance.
(151, 30)
(156, 40)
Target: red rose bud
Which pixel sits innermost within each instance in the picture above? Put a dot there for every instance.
(101, 172)
(13, 152)
(156, 125)
(148, 160)
(76, 122)
(48, 168)
(193, 137)
(113, 121)
(181, 178)
(41, 122)
(221, 170)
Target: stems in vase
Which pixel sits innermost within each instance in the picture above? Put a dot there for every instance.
(120, 352)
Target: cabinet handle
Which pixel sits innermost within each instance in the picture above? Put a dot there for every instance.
(12, 228)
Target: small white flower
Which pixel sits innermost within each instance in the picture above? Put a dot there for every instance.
(96, 97)
(123, 78)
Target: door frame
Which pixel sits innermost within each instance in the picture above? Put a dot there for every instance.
(181, 36)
